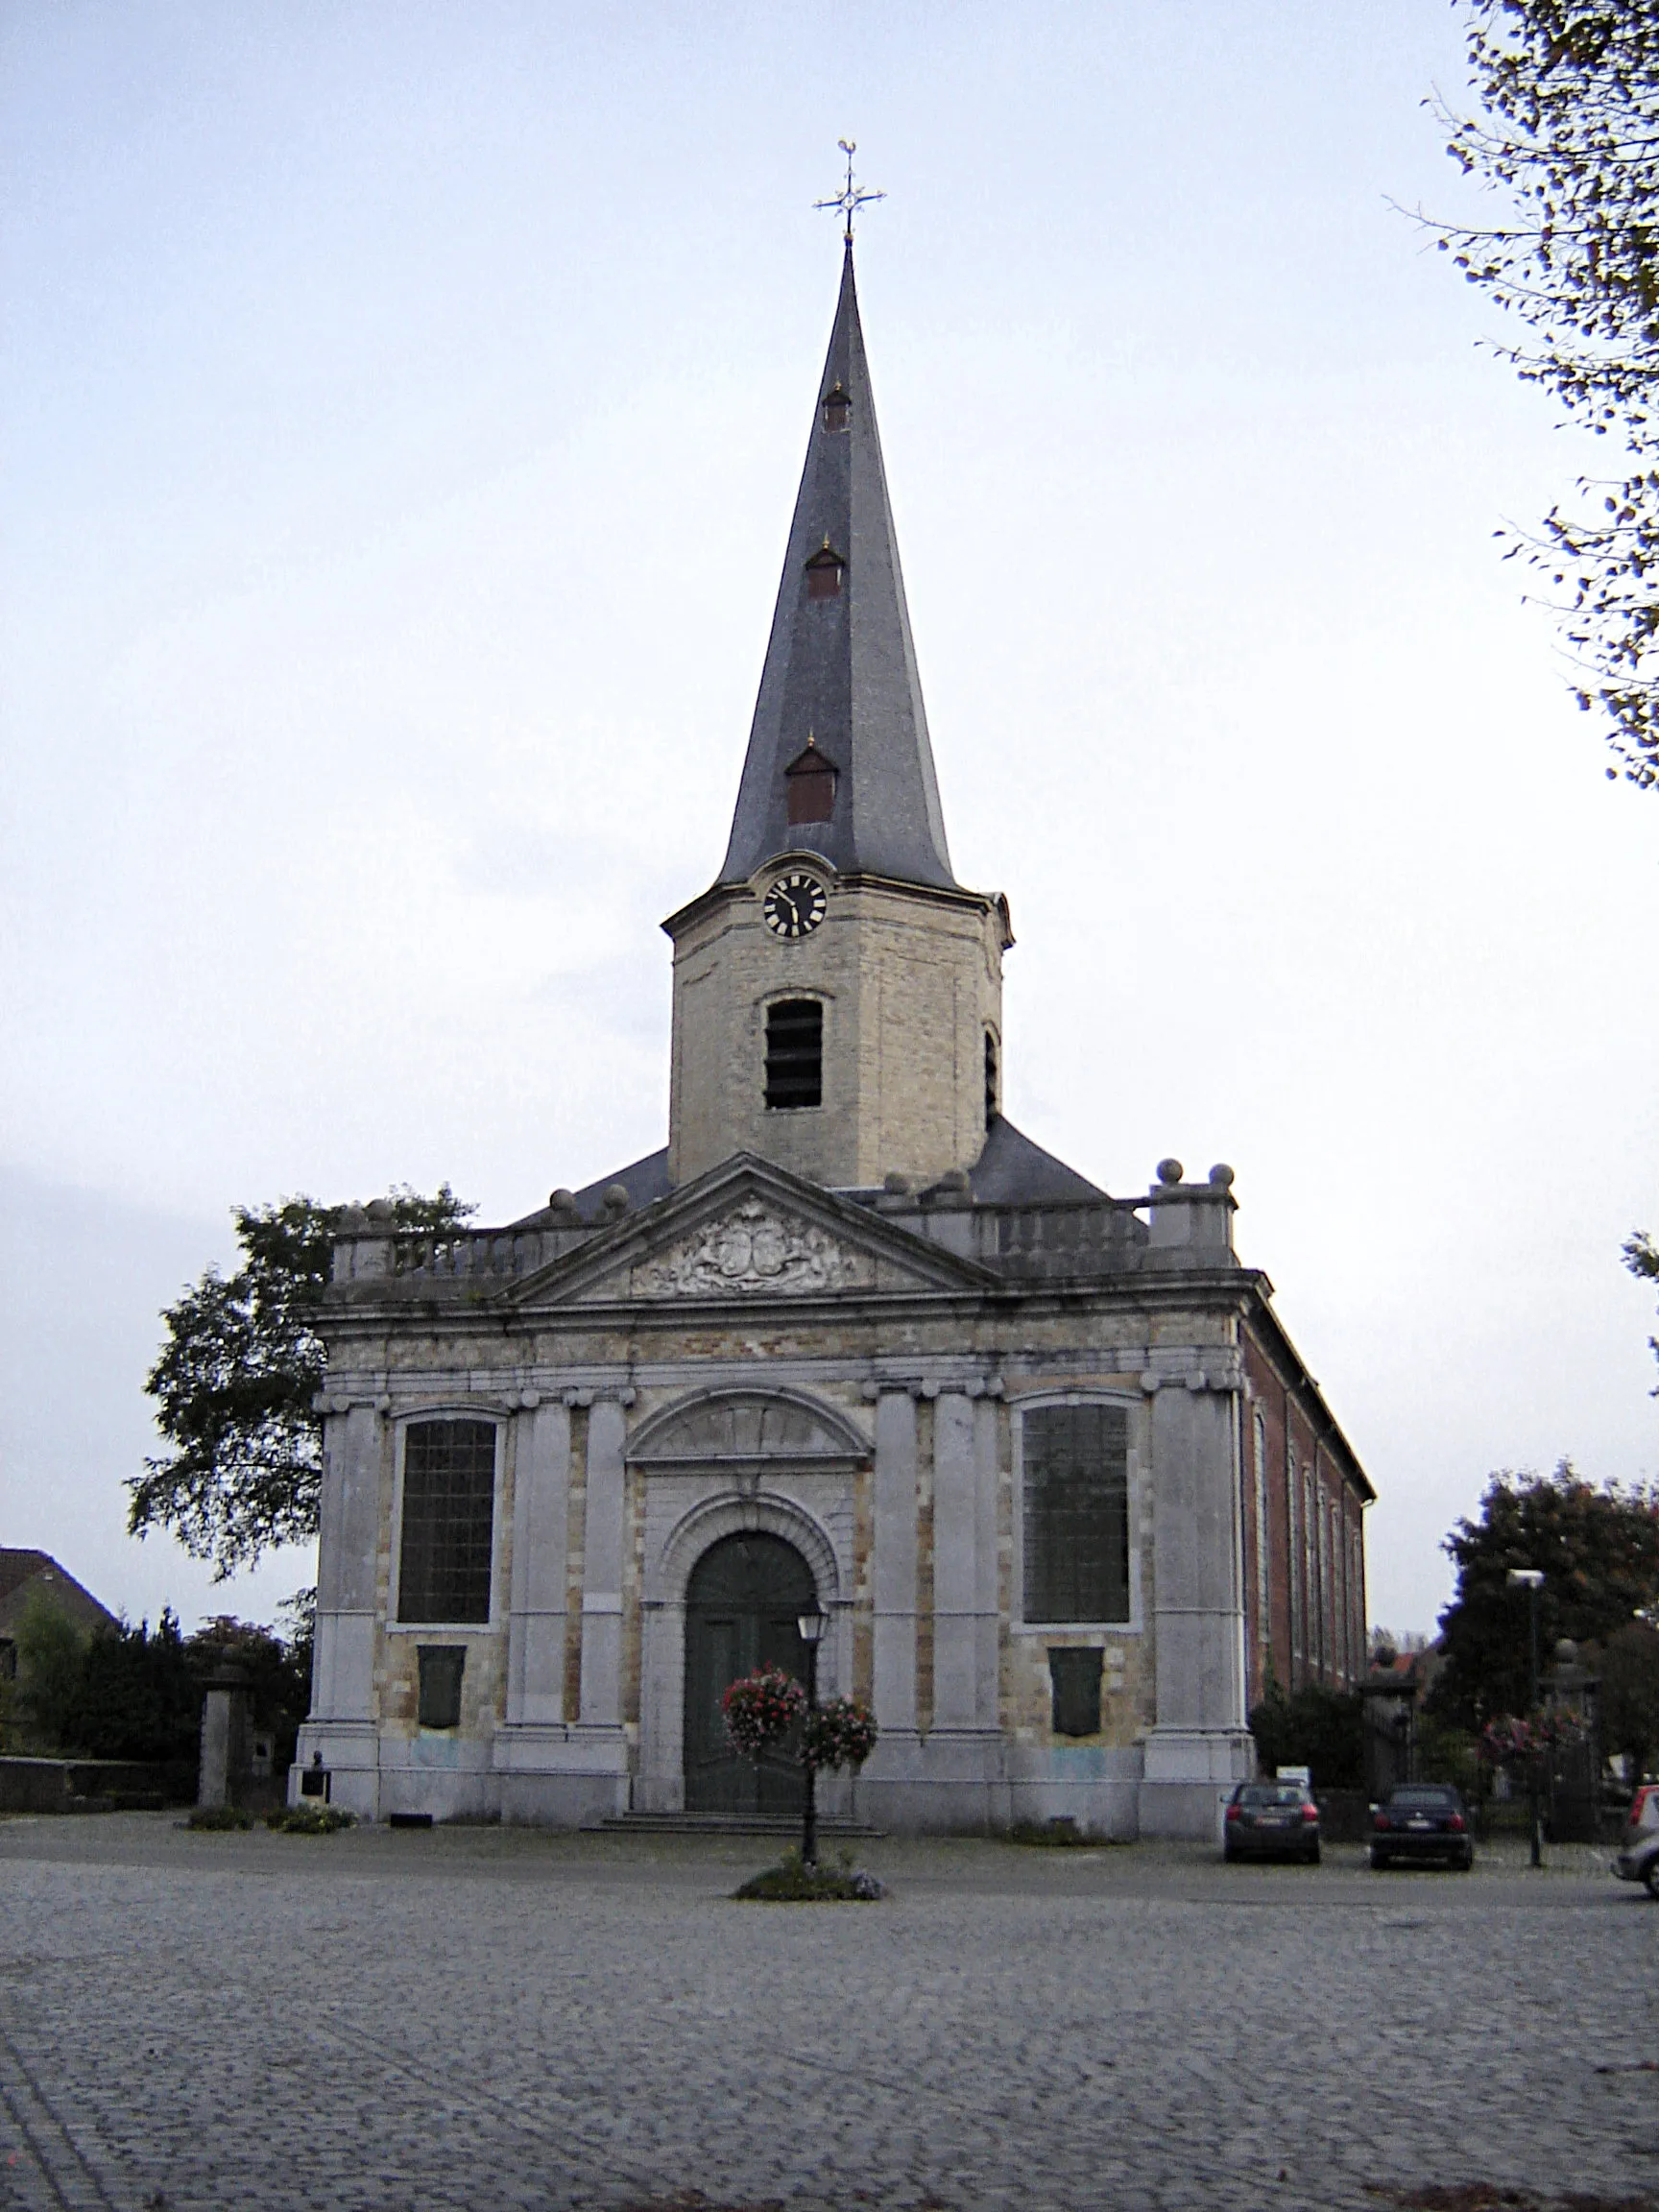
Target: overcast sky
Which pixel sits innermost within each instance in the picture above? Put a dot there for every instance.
(402, 409)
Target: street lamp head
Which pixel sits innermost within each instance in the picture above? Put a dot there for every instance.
(1526, 1577)
(812, 1625)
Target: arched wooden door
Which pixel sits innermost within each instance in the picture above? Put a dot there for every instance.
(740, 1609)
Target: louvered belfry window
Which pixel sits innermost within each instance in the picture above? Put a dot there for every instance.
(1077, 1520)
(795, 1054)
(448, 1521)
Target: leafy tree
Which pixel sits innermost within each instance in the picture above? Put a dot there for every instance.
(236, 1382)
(1567, 133)
(1314, 1727)
(139, 1695)
(49, 1655)
(1628, 1664)
(1598, 1552)
(1642, 1258)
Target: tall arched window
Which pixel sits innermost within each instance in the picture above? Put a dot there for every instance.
(1263, 1556)
(446, 1543)
(1075, 1465)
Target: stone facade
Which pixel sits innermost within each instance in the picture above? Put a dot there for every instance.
(911, 981)
(854, 1377)
(1052, 1469)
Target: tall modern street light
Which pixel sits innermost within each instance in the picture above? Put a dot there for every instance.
(1531, 1581)
(811, 1626)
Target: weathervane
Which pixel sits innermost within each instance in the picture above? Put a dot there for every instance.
(848, 200)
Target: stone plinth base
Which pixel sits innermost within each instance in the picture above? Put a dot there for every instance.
(1190, 1774)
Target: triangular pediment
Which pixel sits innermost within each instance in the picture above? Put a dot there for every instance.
(748, 1231)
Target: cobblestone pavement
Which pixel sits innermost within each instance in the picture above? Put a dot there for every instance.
(481, 2018)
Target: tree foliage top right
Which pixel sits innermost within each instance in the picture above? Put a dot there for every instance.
(1568, 132)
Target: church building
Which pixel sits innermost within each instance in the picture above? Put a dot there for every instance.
(849, 1343)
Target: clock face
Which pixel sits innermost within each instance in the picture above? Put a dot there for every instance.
(795, 905)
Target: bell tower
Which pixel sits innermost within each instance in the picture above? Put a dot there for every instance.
(837, 993)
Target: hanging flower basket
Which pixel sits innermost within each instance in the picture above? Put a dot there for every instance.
(1511, 1741)
(760, 1709)
(841, 1732)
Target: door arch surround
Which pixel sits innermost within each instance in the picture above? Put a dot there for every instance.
(661, 1781)
(743, 1600)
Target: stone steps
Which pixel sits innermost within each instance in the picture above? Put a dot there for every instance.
(830, 1829)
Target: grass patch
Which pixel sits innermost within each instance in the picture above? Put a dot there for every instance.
(309, 1818)
(218, 1817)
(792, 1882)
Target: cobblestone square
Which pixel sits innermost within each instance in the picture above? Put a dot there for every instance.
(469, 2018)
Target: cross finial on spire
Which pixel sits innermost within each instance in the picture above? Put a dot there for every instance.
(848, 200)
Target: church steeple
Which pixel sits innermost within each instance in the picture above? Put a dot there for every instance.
(840, 672)
(837, 993)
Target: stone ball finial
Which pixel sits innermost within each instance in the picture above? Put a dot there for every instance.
(1170, 1172)
(954, 1179)
(562, 1200)
(381, 1210)
(1566, 1652)
(616, 1199)
(1221, 1176)
(896, 1183)
(352, 1221)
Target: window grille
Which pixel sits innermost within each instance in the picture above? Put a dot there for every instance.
(441, 1665)
(448, 1521)
(1076, 1467)
(990, 1106)
(795, 1054)
(1074, 1685)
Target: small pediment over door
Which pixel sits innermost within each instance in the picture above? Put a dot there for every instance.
(748, 1428)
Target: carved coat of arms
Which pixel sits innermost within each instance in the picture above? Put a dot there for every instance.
(750, 1250)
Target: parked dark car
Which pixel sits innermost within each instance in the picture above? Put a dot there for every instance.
(1271, 1820)
(1422, 1824)
(1638, 1859)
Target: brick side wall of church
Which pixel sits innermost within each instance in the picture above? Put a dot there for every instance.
(1313, 1626)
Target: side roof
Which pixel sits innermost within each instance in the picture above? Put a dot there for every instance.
(1011, 1170)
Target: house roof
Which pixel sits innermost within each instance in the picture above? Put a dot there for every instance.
(843, 666)
(24, 1573)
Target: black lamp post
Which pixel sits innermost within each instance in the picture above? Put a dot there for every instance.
(811, 1626)
(1531, 1581)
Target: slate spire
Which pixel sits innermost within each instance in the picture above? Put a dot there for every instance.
(840, 673)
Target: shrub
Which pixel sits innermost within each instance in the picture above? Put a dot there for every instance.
(792, 1882)
(1319, 1729)
(1061, 1834)
(309, 1818)
(220, 1816)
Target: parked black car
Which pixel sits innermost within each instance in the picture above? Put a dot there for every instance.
(1271, 1820)
(1422, 1823)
